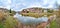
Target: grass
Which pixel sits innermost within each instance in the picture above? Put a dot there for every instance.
(7, 21)
(10, 22)
(1, 25)
(32, 14)
(53, 24)
(36, 15)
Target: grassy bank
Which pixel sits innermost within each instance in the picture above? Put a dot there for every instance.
(7, 21)
(10, 22)
(36, 15)
(53, 24)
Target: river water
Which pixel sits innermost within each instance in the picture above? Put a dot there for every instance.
(30, 20)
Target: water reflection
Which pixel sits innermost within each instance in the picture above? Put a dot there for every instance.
(30, 20)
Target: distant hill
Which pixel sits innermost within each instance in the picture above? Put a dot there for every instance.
(36, 10)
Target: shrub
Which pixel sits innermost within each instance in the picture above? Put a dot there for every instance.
(10, 22)
(2, 16)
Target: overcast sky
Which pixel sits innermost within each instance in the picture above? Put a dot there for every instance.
(20, 4)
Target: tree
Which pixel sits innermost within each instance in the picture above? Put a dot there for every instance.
(58, 7)
(50, 11)
(59, 11)
(10, 11)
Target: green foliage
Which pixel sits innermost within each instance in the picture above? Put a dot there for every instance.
(42, 10)
(36, 15)
(50, 11)
(3, 16)
(7, 21)
(12, 13)
(53, 24)
(10, 22)
(10, 10)
(49, 14)
(1, 25)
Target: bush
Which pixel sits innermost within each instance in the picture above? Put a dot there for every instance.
(2, 16)
(1, 25)
(50, 11)
(10, 22)
(36, 15)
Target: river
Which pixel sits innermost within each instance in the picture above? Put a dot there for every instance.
(30, 20)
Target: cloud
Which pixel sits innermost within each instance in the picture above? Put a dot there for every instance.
(20, 4)
(36, 4)
(8, 6)
(9, 1)
(33, 3)
(45, 2)
(58, 2)
(5, 3)
(50, 6)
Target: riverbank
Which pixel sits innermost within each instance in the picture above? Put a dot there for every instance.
(37, 15)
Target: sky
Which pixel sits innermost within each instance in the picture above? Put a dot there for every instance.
(18, 5)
